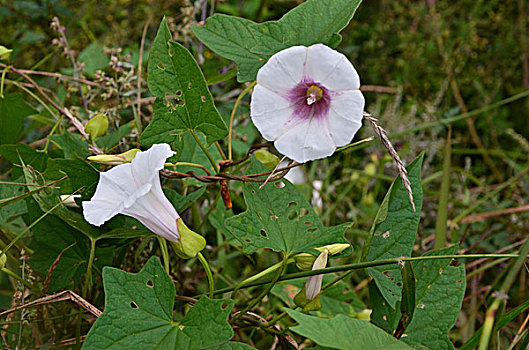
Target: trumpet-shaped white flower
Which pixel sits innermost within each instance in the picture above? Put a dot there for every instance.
(134, 189)
(313, 285)
(307, 100)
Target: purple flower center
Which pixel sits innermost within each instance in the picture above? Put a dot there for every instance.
(310, 100)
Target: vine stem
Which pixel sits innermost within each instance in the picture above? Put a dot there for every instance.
(232, 116)
(211, 282)
(272, 283)
(193, 165)
(165, 254)
(363, 265)
(206, 152)
(3, 81)
(262, 274)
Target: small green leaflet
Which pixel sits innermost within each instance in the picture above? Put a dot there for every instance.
(394, 231)
(343, 332)
(13, 110)
(280, 218)
(183, 101)
(439, 292)
(139, 314)
(250, 44)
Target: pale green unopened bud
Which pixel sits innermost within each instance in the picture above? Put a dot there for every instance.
(306, 304)
(3, 260)
(268, 159)
(97, 126)
(304, 261)
(334, 249)
(115, 159)
(189, 244)
(364, 315)
(69, 200)
(5, 53)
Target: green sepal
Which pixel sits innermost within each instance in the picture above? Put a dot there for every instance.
(190, 242)
(307, 305)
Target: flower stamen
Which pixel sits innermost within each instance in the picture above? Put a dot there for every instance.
(314, 94)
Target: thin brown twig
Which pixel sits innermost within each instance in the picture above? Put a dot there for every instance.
(63, 110)
(391, 150)
(61, 296)
(484, 216)
(57, 75)
(140, 64)
(53, 266)
(379, 89)
(222, 176)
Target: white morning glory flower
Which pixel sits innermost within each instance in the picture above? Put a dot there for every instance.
(307, 100)
(134, 189)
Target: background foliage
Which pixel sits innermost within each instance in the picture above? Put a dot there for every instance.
(424, 66)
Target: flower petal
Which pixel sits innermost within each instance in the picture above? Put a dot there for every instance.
(284, 70)
(345, 116)
(269, 112)
(146, 165)
(331, 68)
(120, 187)
(313, 286)
(307, 140)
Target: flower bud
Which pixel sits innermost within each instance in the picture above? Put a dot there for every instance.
(97, 126)
(306, 304)
(334, 248)
(69, 200)
(313, 284)
(3, 260)
(268, 159)
(115, 159)
(364, 315)
(189, 244)
(304, 261)
(5, 53)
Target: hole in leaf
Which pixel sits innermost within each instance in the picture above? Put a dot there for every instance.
(160, 66)
(293, 215)
(133, 305)
(189, 86)
(303, 212)
(291, 204)
(387, 273)
(179, 93)
(181, 103)
(263, 233)
(203, 98)
(149, 283)
(312, 229)
(224, 306)
(399, 284)
(308, 223)
(248, 240)
(279, 184)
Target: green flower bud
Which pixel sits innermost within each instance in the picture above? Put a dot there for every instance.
(97, 126)
(189, 244)
(364, 315)
(334, 248)
(304, 261)
(267, 158)
(3, 260)
(307, 305)
(115, 159)
(5, 53)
